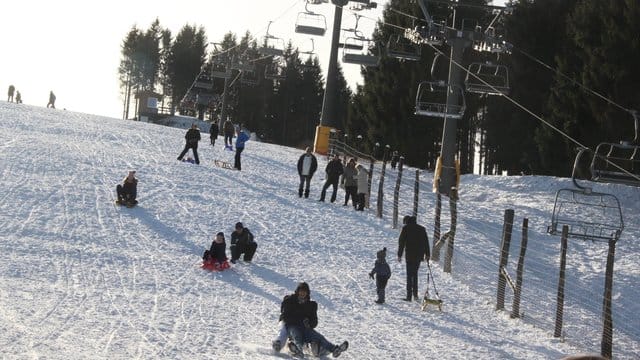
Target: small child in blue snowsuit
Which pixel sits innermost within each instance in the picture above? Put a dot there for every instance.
(382, 271)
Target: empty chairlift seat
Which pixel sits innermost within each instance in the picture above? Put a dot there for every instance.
(431, 100)
(487, 78)
(359, 57)
(399, 47)
(310, 23)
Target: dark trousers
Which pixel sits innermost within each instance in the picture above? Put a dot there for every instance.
(412, 278)
(195, 152)
(228, 139)
(360, 202)
(248, 250)
(328, 183)
(351, 191)
(381, 284)
(124, 195)
(213, 140)
(305, 181)
(236, 164)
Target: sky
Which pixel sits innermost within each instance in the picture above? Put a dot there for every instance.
(82, 278)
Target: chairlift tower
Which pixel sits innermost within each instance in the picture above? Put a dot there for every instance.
(458, 40)
(328, 116)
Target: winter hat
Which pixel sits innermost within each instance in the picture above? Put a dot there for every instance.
(239, 225)
(405, 219)
(382, 254)
(220, 234)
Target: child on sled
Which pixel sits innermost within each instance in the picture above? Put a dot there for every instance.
(216, 258)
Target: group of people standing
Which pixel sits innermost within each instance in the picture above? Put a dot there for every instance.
(14, 95)
(192, 137)
(353, 177)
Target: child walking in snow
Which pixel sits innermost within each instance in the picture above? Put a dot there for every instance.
(382, 273)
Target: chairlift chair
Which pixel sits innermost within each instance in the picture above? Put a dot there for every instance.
(399, 47)
(203, 82)
(588, 215)
(242, 63)
(363, 57)
(271, 45)
(431, 100)
(276, 70)
(430, 34)
(487, 78)
(249, 77)
(311, 23)
(618, 163)
(220, 68)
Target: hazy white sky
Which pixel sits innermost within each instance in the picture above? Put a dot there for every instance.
(73, 46)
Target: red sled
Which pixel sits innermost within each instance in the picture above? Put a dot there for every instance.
(213, 265)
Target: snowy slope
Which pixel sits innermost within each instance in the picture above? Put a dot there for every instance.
(83, 278)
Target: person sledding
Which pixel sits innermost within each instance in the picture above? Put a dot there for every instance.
(216, 258)
(300, 317)
(128, 190)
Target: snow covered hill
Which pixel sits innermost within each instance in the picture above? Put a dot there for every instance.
(83, 278)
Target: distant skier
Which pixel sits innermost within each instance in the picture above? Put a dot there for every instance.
(242, 242)
(213, 132)
(414, 241)
(191, 137)
(333, 171)
(300, 317)
(128, 190)
(240, 140)
(307, 165)
(382, 273)
(52, 100)
(10, 93)
(228, 130)
(18, 98)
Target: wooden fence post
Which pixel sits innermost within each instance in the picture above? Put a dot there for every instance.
(416, 192)
(507, 227)
(381, 187)
(607, 331)
(396, 193)
(515, 310)
(563, 264)
(450, 236)
(435, 249)
(369, 180)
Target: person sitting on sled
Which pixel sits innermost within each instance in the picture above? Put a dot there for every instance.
(128, 190)
(300, 317)
(216, 256)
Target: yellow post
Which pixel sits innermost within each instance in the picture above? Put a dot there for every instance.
(321, 143)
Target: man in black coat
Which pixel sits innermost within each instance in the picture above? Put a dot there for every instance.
(334, 169)
(192, 137)
(307, 165)
(213, 130)
(414, 241)
(242, 242)
(300, 316)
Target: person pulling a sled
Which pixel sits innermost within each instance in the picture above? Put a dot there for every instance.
(128, 190)
(414, 242)
(300, 317)
(216, 257)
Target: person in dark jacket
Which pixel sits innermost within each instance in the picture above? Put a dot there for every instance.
(350, 183)
(382, 273)
(128, 190)
(307, 166)
(10, 93)
(18, 97)
(218, 250)
(242, 242)
(333, 170)
(213, 131)
(394, 159)
(228, 130)
(240, 140)
(300, 316)
(191, 137)
(414, 242)
(52, 100)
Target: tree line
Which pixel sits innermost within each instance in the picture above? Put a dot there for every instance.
(561, 48)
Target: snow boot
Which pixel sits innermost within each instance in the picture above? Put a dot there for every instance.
(276, 346)
(339, 349)
(296, 352)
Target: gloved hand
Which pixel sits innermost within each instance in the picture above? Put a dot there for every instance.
(371, 275)
(305, 322)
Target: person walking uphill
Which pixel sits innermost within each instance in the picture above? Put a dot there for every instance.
(414, 242)
(192, 137)
(350, 182)
(334, 169)
(213, 132)
(307, 166)
(10, 93)
(240, 140)
(52, 100)
(242, 242)
(228, 134)
(300, 316)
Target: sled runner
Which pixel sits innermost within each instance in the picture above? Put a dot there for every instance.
(223, 164)
(426, 300)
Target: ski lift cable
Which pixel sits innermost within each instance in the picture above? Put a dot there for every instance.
(525, 109)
